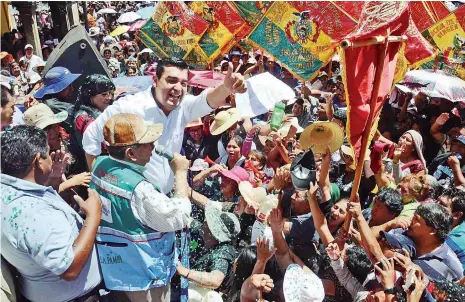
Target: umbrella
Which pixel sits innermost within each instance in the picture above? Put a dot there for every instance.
(437, 84)
(136, 25)
(146, 12)
(119, 30)
(128, 17)
(205, 78)
(106, 11)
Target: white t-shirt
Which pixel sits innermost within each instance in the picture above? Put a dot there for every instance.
(33, 61)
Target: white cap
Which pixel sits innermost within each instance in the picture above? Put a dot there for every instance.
(28, 46)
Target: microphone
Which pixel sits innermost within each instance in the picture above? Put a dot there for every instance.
(162, 151)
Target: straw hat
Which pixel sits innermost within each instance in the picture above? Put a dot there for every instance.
(42, 116)
(224, 120)
(348, 151)
(253, 196)
(322, 135)
(102, 51)
(195, 123)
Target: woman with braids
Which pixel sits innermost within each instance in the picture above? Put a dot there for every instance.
(94, 96)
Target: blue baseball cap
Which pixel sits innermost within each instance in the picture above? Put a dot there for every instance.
(56, 80)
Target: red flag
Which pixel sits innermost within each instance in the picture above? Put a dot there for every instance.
(361, 64)
(417, 48)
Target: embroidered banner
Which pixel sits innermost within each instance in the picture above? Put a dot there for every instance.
(173, 29)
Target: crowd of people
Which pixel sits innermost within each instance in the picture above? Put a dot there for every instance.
(162, 195)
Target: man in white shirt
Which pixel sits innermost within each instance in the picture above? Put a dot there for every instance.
(32, 58)
(166, 102)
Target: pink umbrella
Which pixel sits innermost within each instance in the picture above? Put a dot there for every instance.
(205, 78)
(136, 25)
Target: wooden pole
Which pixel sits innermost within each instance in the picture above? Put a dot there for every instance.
(366, 134)
(330, 71)
(371, 41)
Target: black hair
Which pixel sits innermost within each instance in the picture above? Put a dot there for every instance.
(245, 265)
(437, 217)
(131, 68)
(458, 204)
(454, 292)
(20, 146)
(120, 152)
(300, 101)
(392, 199)
(93, 84)
(358, 262)
(170, 61)
(6, 96)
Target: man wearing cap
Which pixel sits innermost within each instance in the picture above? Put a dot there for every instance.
(31, 58)
(136, 239)
(166, 102)
(449, 168)
(57, 91)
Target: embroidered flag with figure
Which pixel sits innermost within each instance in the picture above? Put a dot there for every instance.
(173, 30)
(302, 36)
(226, 26)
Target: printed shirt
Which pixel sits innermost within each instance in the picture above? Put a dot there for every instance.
(38, 231)
(143, 104)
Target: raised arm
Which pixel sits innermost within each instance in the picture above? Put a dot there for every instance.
(233, 83)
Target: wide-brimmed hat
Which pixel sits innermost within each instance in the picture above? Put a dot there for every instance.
(145, 50)
(41, 64)
(94, 31)
(348, 151)
(5, 54)
(224, 120)
(237, 174)
(253, 196)
(41, 116)
(223, 226)
(300, 286)
(56, 80)
(199, 165)
(303, 170)
(195, 123)
(322, 135)
(263, 139)
(125, 129)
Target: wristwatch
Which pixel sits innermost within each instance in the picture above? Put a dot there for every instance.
(390, 291)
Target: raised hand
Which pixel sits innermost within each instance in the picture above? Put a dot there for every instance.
(234, 82)
(276, 220)
(442, 119)
(385, 269)
(263, 250)
(60, 161)
(333, 251)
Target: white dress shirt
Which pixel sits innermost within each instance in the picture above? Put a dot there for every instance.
(143, 104)
(157, 211)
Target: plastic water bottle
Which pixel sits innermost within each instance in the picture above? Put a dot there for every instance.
(278, 115)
